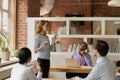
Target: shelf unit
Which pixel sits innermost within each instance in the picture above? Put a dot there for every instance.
(68, 19)
(31, 26)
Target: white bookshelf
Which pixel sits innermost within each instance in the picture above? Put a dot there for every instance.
(68, 19)
(85, 37)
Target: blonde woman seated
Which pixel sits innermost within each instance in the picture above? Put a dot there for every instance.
(22, 71)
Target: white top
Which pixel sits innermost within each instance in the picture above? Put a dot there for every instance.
(104, 69)
(22, 72)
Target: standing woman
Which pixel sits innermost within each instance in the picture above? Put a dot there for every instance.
(42, 47)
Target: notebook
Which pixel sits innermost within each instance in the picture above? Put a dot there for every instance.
(71, 62)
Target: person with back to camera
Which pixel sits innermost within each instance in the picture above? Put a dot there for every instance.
(84, 59)
(42, 47)
(22, 71)
(104, 68)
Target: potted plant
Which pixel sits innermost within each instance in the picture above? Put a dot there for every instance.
(4, 45)
(16, 52)
(118, 31)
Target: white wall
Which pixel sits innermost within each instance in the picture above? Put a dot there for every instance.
(30, 38)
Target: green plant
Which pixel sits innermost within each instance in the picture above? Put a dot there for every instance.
(16, 52)
(4, 41)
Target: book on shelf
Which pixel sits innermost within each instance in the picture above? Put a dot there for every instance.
(114, 47)
(74, 47)
(73, 30)
(61, 30)
(70, 48)
(78, 47)
(58, 46)
(110, 47)
(117, 47)
(97, 31)
(90, 48)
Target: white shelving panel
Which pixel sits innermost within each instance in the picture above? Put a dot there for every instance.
(31, 27)
(68, 19)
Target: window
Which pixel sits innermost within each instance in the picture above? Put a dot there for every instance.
(8, 19)
(4, 11)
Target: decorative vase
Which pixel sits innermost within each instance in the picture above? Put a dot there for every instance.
(5, 56)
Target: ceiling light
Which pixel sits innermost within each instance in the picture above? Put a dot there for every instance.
(114, 3)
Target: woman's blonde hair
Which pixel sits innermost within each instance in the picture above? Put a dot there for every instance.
(39, 27)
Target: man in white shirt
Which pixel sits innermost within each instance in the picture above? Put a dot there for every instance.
(104, 68)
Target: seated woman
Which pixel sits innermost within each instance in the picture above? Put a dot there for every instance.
(22, 71)
(83, 58)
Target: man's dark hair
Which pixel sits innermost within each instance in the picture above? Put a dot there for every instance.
(85, 44)
(24, 55)
(102, 47)
(118, 64)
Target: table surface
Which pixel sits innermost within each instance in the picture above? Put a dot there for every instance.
(42, 79)
(63, 68)
(48, 79)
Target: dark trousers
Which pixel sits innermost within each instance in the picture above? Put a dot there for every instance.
(70, 75)
(45, 66)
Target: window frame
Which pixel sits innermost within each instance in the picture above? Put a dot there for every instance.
(11, 20)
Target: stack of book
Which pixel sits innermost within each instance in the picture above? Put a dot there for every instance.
(90, 48)
(115, 47)
(56, 47)
(73, 30)
(73, 47)
(61, 31)
(97, 31)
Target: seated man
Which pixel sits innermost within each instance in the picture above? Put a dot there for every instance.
(104, 68)
(83, 58)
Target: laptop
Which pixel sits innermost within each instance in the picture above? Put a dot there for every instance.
(71, 62)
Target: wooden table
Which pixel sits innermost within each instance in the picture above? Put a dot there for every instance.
(62, 68)
(48, 79)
